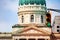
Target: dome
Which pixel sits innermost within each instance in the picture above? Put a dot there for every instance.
(37, 2)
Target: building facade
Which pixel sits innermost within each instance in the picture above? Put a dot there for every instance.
(56, 25)
(5, 36)
(56, 28)
(31, 22)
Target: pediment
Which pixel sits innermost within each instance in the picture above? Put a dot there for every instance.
(33, 30)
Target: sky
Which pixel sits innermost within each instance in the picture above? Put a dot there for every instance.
(9, 9)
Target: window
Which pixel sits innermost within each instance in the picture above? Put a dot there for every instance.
(57, 30)
(32, 18)
(41, 18)
(16, 39)
(22, 39)
(47, 39)
(57, 26)
(22, 19)
(31, 39)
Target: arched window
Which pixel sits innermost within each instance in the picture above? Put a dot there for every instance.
(32, 18)
(22, 19)
(41, 18)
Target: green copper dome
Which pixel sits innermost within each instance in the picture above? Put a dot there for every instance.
(26, 2)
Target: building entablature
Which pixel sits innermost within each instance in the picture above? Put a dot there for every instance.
(31, 12)
(31, 7)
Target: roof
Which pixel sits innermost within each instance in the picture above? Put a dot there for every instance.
(42, 2)
(32, 30)
(5, 34)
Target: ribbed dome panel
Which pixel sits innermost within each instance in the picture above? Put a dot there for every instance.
(37, 2)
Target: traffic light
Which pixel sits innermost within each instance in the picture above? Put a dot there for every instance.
(48, 19)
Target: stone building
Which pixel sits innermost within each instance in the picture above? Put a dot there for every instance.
(5, 36)
(31, 22)
(56, 25)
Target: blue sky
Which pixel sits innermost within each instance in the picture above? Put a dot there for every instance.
(8, 13)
